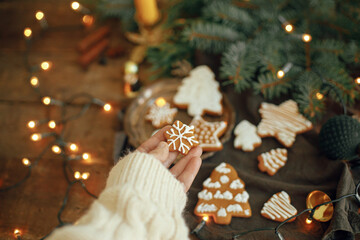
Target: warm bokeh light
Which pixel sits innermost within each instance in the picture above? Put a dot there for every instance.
(31, 124)
(75, 5)
(36, 137)
(88, 20)
(39, 15)
(52, 124)
(205, 218)
(306, 37)
(289, 28)
(27, 32)
(77, 175)
(56, 149)
(357, 80)
(17, 232)
(86, 156)
(46, 100)
(107, 107)
(280, 74)
(26, 161)
(308, 221)
(45, 65)
(319, 96)
(73, 147)
(34, 81)
(160, 102)
(85, 175)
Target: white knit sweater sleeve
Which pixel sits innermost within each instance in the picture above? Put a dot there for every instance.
(141, 200)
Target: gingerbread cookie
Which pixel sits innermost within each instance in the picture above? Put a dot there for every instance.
(208, 133)
(272, 161)
(199, 93)
(282, 122)
(278, 208)
(246, 136)
(223, 196)
(181, 138)
(161, 115)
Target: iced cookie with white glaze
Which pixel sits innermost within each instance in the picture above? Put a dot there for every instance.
(161, 114)
(223, 196)
(247, 138)
(278, 208)
(272, 161)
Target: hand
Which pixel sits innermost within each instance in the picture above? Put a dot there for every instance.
(185, 169)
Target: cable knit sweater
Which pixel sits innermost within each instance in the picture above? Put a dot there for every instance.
(141, 200)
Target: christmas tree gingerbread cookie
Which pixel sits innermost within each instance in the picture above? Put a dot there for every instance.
(246, 137)
(160, 113)
(208, 133)
(278, 208)
(199, 93)
(282, 122)
(180, 138)
(272, 161)
(223, 196)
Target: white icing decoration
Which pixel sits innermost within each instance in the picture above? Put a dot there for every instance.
(179, 136)
(224, 179)
(204, 207)
(226, 195)
(161, 115)
(207, 183)
(205, 194)
(234, 208)
(282, 122)
(236, 184)
(222, 168)
(279, 206)
(274, 159)
(222, 212)
(246, 136)
(247, 212)
(200, 92)
(242, 197)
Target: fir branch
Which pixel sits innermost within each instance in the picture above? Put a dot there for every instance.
(270, 86)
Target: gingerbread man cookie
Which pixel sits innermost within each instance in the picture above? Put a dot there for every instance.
(162, 115)
(246, 137)
(181, 138)
(278, 208)
(282, 122)
(223, 196)
(272, 161)
(200, 93)
(208, 133)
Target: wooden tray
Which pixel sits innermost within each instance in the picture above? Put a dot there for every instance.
(139, 130)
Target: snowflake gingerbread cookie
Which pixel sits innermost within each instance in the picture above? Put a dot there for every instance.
(278, 208)
(208, 133)
(180, 137)
(223, 196)
(246, 136)
(282, 122)
(161, 115)
(272, 161)
(200, 93)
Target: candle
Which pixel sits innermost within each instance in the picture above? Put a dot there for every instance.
(42, 20)
(147, 11)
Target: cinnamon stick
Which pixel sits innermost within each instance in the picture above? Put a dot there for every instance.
(88, 57)
(93, 38)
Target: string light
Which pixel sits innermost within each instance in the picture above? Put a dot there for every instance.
(73, 147)
(27, 33)
(32, 124)
(77, 175)
(17, 232)
(75, 5)
(357, 80)
(39, 15)
(52, 124)
(45, 65)
(36, 137)
(46, 100)
(85, 175)
(34, 81)
(306, 37)
(160, 102)
(205, 218)
(86, 156)
(280, 74)
(289, 28)
(107, 107)
(319, 96)
(56, 149)
(88, 20)
(308, 221)
(26, 161)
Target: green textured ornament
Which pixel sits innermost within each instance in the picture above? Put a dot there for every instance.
(340, 138)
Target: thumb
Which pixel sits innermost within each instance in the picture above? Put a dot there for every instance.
(161, 152)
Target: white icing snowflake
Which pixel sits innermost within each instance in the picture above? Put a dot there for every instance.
(160, 116)
(181, 137)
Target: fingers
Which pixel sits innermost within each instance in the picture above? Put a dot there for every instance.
(180, 166)
(191, 169)
(161, 152)
(153, 141)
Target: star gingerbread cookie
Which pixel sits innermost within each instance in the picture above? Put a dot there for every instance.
(282, 122)
(278, 208)
(272, 161)
(160, 113)
(180, 138)
(223, 196)
(208, 133)
(247, 138)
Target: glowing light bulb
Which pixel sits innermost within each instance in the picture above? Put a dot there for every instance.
(357, 80)
(56, 149)
(85, 175)
(306, 37)
(34, 81)
(77, 175)
(205, 218)
(36, 137)
(160, 102)
(27, 32)
(52, 124)
(280, 74)
(45, 65)
(75, 5)
(73, 147)
(107, 107)
(39, 15)
(17, 232)
(46, 100)
(319, 96)
(88, 20)
(289, 28)
(31, 124)
(308, 220)
(26, 161)
(86, 156)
